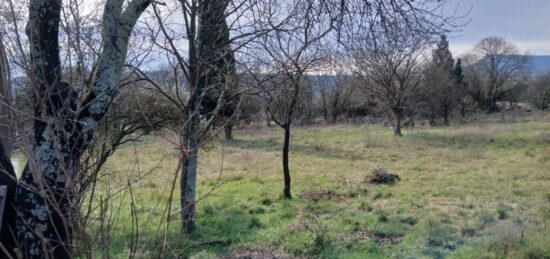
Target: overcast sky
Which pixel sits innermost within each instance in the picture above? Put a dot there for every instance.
(526, 23)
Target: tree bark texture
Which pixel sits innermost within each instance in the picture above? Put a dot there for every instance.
(188, 180)
(6, 127)
(208, 67)
(61, 132)
(228, 130)
(286, 169)
(397, 116)
(7, 177)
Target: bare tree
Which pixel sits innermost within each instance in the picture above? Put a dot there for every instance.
(538, 92)
(386, 40)
(335, 87)
(64, 126)
(391, 71)
(493, 68)
(288, 54)
(201, 55)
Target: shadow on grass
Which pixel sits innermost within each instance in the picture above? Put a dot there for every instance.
(218, 231)
(315, 149)
(479, 141)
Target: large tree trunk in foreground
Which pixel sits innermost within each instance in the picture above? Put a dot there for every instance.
(42, 199)
(286, 169)
(7, 177)
(43, 194)
(6, 130)
(7, 173)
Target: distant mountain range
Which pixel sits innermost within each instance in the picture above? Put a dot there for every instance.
(540, 64)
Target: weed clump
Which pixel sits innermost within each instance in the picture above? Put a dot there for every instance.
(255, 223)
(266, 201)
(468, 231)
(379, 175)
(409, 220)
(365, 207)
(382, 216)
(503, 211)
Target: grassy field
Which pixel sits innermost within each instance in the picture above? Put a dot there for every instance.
(469, 191)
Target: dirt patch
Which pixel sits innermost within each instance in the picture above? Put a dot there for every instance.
(250, 254)
(326, 195)
(379, 238)
(296, 227)
(322, 195)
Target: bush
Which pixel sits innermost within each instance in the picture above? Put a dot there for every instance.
(379, 175)
(382, 216)
(502, 211)
(409, 220)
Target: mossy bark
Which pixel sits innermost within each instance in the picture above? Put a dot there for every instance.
(62, 132)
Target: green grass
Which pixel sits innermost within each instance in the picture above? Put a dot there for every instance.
(471, 191)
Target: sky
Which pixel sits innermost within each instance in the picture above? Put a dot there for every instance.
(525, 23)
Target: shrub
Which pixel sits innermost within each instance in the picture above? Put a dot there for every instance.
(468, 231)
(266, 201)
(502, 211)
(379, 175)
(382, 215)
(409, 220)
(365, 207)
(255, 223)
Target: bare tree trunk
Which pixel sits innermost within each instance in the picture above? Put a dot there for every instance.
(432, 117)
(267, 118)
(188, 180)
(335, 102)
(43, 198)
(446, 115)
(207, 64)
(7, 173)
(325, 109)
(398, 115)
(228, 130)
(7, 177)
(493, 105)
(463, 110)
(6, 130)
(286, 169)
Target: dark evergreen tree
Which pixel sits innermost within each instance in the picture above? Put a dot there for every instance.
(440, 91)
(462, 98)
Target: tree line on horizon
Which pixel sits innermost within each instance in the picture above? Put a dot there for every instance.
(89, 89)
